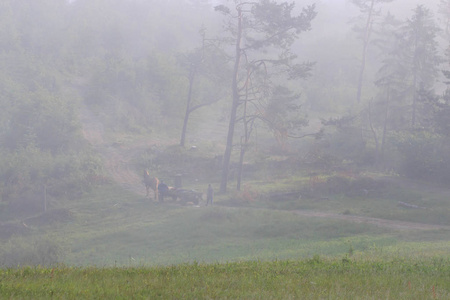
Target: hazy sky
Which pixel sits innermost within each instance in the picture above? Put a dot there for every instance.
(399, 6)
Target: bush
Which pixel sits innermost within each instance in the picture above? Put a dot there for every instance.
(347, 144)
(353, 187)
(425, 156)
(30, 174)
(169, 161)
(20, 252)
(338, 184)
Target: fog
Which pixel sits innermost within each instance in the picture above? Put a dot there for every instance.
(303, 127)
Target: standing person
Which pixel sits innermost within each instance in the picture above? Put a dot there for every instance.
(209, 195)
(163, 189)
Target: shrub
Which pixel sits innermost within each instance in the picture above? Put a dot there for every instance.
(20, 252)
(347, 144)
(338, 184)
(169, 161)
(425, 157)
(30, 174)
(359, 186)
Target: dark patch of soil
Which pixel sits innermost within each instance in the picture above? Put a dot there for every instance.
(50, 217)
(7, 230)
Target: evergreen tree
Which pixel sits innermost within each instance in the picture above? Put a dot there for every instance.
(410, 66)
(418, 41)
(389, 108)
(442, 113)
(369, 13)
(261, 33)
(444, 11)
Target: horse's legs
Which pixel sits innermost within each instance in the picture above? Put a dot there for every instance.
(155, 188)
(156, 191)
(152, 183)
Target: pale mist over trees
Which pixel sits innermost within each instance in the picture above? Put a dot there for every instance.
(363, 82)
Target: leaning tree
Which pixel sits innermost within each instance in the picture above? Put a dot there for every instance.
(364, 30)
(261, 34)
(205, 67)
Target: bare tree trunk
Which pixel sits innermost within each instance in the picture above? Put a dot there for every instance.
(241, 164)
(188, 108)
(374, 133)
(367, 32)
(192, 74)
(414, 104)
(234, 106)
(386, 115)
(45, 197)
(244, 139)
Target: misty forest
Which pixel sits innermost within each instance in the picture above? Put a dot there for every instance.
(323, 128)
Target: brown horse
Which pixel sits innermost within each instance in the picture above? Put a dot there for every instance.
(151, 183)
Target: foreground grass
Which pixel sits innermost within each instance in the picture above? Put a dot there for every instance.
(314, 278)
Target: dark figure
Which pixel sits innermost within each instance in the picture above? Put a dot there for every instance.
(163, 189)
(209, 195)
(151, 183)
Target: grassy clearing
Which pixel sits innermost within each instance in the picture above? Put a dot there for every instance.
(114, 245)
(139, 232)
(112, 227)
(314, 278)
(383, 202)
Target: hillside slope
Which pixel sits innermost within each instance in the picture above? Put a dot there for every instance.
(117, 160)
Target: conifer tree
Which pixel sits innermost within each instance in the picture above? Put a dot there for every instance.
(369, 13)
(261, 33)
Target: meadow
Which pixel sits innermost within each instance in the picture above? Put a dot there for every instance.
(276, 239)
(314, 278)
(114, 228)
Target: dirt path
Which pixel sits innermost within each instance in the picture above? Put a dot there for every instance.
(117, 159)
(399, 225)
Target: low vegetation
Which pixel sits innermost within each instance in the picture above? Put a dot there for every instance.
(315, 278)
(112, 227)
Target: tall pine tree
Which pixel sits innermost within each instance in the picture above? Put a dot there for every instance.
(261, 34)
(422, 60)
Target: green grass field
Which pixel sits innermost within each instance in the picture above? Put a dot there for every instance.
(112, 227)
(313, 278)
(116, 244)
